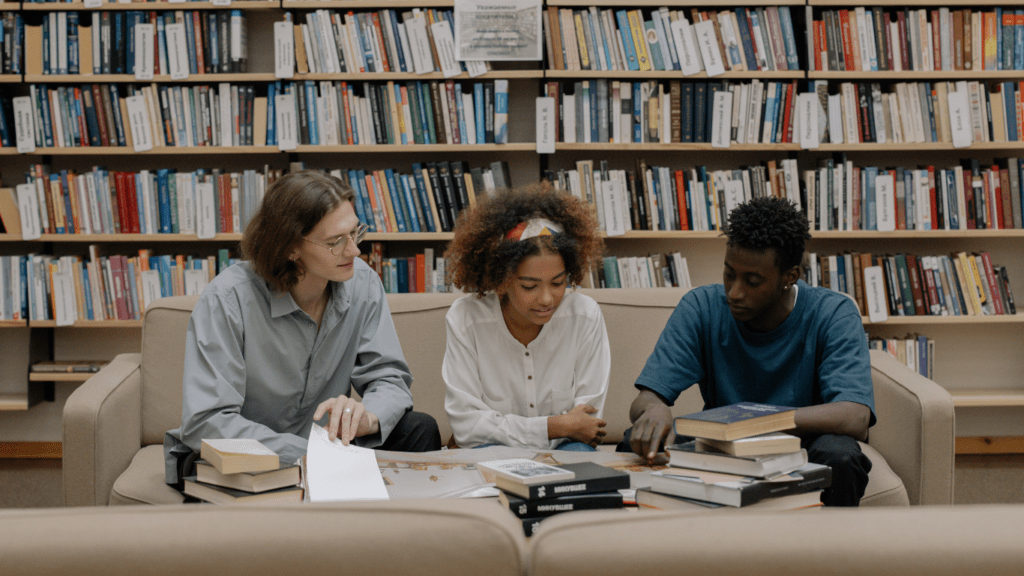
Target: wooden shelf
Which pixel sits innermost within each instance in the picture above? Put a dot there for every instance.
(389, 148)
(50, 450)
(59, 376)
(990, 445)
(161, 78)
(10, 402)
(365, 4)
(408, 236)
(667, 147)
(666, 234)
(902, 3)
(10, 78)
(10, 6)
(631, 74)
(908, 320)
(383, 76)
(909, 234)
(987, 398)
(908, 147)
(13, 323)
(918, 75)
(135, 238)
(162, 150)
(147, 6)
(88, 324)
(698, 3)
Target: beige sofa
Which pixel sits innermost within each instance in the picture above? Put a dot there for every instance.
(114, 423)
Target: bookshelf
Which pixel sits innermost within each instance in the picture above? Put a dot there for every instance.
(975, 349)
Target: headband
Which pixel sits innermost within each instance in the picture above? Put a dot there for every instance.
(531, 228)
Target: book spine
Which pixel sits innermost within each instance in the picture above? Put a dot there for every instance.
(542, 491)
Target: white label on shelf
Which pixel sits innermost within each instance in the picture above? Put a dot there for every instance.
(807, 120)
(475, 68)
(885, 202)
(835, 119)
(221, 2)
(177, 1)
(721, 119)
(143, 51)
(689, 55)
(960, 118)
(150, 287)
(613, 198)
(419, 42)
(24, 124)
(207, 216)
(177, 53)
(734, 195)
(94, 3)
(64, 298)
(195, 282)
(284, 50)
(28, 208)
(708, 43)
(445, 43)
(546, 120)
(284, 116)
(874, 294)
(138, 119)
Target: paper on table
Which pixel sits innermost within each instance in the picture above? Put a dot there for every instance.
(335, 472)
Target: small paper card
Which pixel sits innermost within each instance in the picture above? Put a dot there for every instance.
(221, 2)
(97, 3)
(143, 51)
(721, 119)
(28, 209)
(734, 195)
(64, 298)
(284, 50)
(150, 287)
(835, 119)
(287, 136)
(613, 198)
(138, 118)
(475, 68)
(807, 114)
(207, 216)
(177, 53)
(874, 294)
(960, 119)
(546, 120)
(24, 124)
(445, 43)
(195, 282)
(708, 43)
(885, 201)
(689, 55)
(336, 473)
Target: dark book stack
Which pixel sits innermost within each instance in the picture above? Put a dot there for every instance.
(594, 487)
(738, 458)
(13, 43)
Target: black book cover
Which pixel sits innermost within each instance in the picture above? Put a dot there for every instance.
(439, 199)
(223, 42)
(488, 112)
(686, 112)
(700, 107)
(458, 170)
(300, 102)
(444, 173)
(549, 507)
(590, 478)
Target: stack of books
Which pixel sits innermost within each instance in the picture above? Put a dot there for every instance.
(241, 471)
(739, 458)
(534, 491)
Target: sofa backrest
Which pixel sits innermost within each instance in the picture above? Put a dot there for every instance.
(163, 362)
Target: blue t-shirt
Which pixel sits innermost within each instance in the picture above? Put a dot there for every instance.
(817, 355)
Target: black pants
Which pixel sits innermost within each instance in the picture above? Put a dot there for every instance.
(414, 432)
(849, 465)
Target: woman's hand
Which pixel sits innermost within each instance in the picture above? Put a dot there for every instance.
(578, 424)
(349, 419)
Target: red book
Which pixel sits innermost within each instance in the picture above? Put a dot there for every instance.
(901, 19)
(887, 22)
(684, 219)
(931, 291)
(817, 43)
(101, 114)
(117, 276)
(83, 130)
(787, 125)
(122, 203)
(844, 20)
(1005, 199)
(380, 43)
(936, 40)
(421, 273)
(855, 199)
(989, 276)
(156, 44)
(133, 201)
(453, 114)
(933, 199)
(224, 202)
(915, 285)
(200, 60)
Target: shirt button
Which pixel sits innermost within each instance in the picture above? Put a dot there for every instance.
(311, 324)
(527, 353)
(531, 405)
(529, 377)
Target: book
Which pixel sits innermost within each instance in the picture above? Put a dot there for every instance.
(738, 491)
(233, 455)
(589, 478)
(550, 506)
(736, 421)
(68, 366)
(248, 481)
(701, 457)
(222, 495)
(525, 471)
(647, 499)
(771, 443)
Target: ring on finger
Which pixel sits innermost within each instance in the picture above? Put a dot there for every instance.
(348, 410)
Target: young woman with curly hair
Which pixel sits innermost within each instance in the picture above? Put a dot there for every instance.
(526, 362)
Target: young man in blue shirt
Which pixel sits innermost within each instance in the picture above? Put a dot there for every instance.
(766, 336)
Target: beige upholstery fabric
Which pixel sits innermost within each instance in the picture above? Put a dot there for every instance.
(163, 347)
(143, 481)
(925, 541)
(425, 538)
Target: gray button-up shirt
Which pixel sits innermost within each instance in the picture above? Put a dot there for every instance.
(257, 367)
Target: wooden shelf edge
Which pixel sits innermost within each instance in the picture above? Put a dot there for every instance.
(674, 74)
(987, 398)
(59, 376)
(361, 4)
(990, 445)
(161, 79)
(913, 75)
(905, 320)
(907, 234)
(107, 6)
(32, 450)
(899, 3)
(88, 324)
(667, 3)
(13, 323)
(14, 402)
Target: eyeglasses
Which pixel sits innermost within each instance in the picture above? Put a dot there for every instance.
(356, 236)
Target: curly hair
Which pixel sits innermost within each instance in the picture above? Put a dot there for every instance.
(481, 259)
(770, 222)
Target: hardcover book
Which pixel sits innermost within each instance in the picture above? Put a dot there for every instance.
(548, 507)
(590, 478)
(738, 491)
(255, 482)
(233, 455)
(647, 499)
(736, 421)
(771, 443)
(698, 456)
(525, 471)
(222, 495)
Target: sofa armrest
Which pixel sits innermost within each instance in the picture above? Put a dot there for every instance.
(102, 431)
(915, 430)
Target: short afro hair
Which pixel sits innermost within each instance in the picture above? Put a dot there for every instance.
(769, 222)
(481, 259)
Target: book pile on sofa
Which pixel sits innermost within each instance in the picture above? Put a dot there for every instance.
(242, 471)
(533, 491)
(739, 457)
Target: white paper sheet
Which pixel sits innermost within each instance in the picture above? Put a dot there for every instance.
(335, 472)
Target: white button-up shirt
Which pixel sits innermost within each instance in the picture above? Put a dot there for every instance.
(501, 392)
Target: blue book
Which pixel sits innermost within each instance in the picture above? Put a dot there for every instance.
(397, 202)
(402, 267)
(311, 112)
(83, 271)
(78, 112)
(627, 41)
(214, 41)
(1018, 41)
(665, 36)
(272, 89)
(65, 190)
(356, 191)
(460, 106)
(611, 272)
(638, 125)
(708, 203)
(590, 93)
(364, 207)
(163, 195)
(426, 103)
(931, 111)
(701, 105)
(118, 34)
(651, 33)
(662, 215)
(73, 43)
(166, 282)
(789, 38)
(161, 39)
(118, 121)
(1009, 108)
(398, 43)
(954, 218)
(193, 109)
(190, 44)
(129, 49)
(365, 36)
(736, 421)
(410, 203)
(501, 111)
(421, 189)
(478, 112)
(46, 53)
(746, 38)
(1006, 55)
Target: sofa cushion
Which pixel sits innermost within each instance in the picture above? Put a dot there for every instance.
(143, 481)
(884, 487)
(425, 538)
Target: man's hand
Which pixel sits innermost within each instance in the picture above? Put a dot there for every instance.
(652, 424)
(349, 419)
(578, 424)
